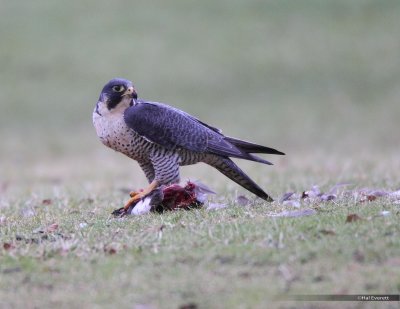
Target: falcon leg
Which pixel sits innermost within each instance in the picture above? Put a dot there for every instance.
(163, 168)
(136, 196)
(148, 170)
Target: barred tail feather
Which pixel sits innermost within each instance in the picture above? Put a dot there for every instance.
(251, 147)
(227, 167)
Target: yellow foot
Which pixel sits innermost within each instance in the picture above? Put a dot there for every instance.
(136, 196)
(133, 193)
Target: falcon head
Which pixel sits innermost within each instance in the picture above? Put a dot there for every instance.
(118, 91)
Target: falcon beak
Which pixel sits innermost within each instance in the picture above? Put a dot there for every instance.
(130, 92)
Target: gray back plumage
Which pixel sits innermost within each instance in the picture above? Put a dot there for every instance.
(172, 128)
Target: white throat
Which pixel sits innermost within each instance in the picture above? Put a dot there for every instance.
(103, 111)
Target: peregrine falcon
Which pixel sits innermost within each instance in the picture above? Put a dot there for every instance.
(162, 138)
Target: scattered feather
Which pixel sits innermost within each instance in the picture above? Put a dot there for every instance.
(194, 195)
(316, 196)
(385, 213)
(242, 200)
(292, 203)
(82, 225)
(167, 198)
(379, 193)
(291, 199)
(201, 191)
(395, 195)
(142, 207)
(312, 193)
(286, 196)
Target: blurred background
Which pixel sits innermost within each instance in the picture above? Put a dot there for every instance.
(319, 80)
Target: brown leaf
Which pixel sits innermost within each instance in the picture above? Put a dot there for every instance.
(353, 218)
(8, 246)
(47, 201)
(112, 251)
(368, 195)
(367, 198)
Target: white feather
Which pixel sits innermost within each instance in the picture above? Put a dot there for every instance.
(142, 207)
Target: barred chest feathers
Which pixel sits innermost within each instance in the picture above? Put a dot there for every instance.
(113, 132)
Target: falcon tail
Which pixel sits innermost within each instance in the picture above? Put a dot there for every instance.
(248, 149)
(251, 147)
(227, 167)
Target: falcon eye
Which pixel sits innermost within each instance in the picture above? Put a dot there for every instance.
(118, 88)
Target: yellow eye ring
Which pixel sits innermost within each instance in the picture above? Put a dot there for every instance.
(118, 88)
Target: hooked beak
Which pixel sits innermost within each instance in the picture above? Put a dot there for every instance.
(130, 92)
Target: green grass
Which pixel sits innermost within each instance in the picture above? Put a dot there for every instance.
(315, 79)
(235, 257)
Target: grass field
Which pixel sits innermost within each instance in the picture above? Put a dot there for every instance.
(318, 80)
